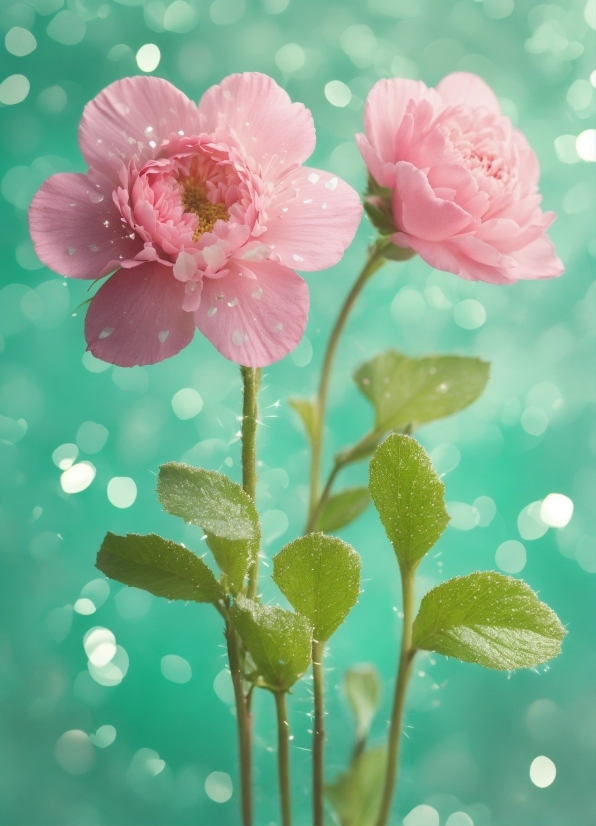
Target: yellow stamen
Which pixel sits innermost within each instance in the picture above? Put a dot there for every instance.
(194, 199)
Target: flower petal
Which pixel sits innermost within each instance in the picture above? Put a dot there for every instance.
(385, 108)
(314, 225)
(254, 321)
(267, 123)
(419, 212)
(122, 120)
(136, 317)
(469, 90)
(537, 260)
(76, 227)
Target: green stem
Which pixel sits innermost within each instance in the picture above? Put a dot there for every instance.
(374, 261)
(318, 742)
(243, 719)
(283, 757)
(251, 377)
(406, 659)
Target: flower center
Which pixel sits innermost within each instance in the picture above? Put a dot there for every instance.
(194, 199)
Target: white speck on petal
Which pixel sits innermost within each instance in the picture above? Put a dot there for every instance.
(163, 335)
(297, 258)
(211, 311)
(313, 177)
(278, 328)
(331, 184)
(107, 331)
(239, 338)
(257, 293)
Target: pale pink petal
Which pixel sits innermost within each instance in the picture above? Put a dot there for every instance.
(136, 317)
(419, 212)
(469, 90)
(129, 114)
(312, 230)
(385, 108)
(449, 257)
(382, 173)
(254, 321)
(267, 123)
(76, 227)
(538, 260)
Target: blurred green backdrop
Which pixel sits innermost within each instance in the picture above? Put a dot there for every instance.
(472, 735)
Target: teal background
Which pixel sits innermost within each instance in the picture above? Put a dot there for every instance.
(471, 734)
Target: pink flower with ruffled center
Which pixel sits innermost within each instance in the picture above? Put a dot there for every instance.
(461, 183)
(202, 211)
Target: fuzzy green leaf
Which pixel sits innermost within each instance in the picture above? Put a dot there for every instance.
(159, 566)
(356, 794)
(489, 619)
(308, 415)
(221, 508)
(409, 497)
(417, 390)
(343, 508)
(320, 576)
(363, 689)
(279, 642)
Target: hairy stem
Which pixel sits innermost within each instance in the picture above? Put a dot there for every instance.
(374, 261)
(318, 744)
(283, 758)
(251, 377)
(406, 659)
(243, 719)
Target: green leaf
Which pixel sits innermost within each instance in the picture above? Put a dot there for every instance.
(308, 414)
(320, 576)
(363, 689)
(159, 566)
(489, 619)
(343, 508)
(221, 508)
(279, 642)
(409, 497)
(417, 390)
(356, 794)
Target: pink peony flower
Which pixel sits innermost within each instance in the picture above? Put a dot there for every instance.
(456, 180)
(203, 212)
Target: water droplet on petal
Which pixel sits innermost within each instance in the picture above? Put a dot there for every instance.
(211, 311)
(297, 258)
(313, 177)
(95, 197)
(93, 247)
(278, 328)
(233, 302)
(107, 331)
(331, 184)
(257, 293)
(308, 201)
(239, 338)
(163, 335)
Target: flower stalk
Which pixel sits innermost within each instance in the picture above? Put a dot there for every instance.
(283, 757)
(404, 671)
(244, 722)
(374, 261)
(318, 744)
(251, 377)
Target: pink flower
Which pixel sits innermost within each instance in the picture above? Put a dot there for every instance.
(202, 211)
(456, 180)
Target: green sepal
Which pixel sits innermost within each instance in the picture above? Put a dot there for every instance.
(221, 508)
(414, 391)
(279, 641)
(159, 566)
(356, 794)
(343, 508)
(320, 577)
(409, 497)
(488, 619)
